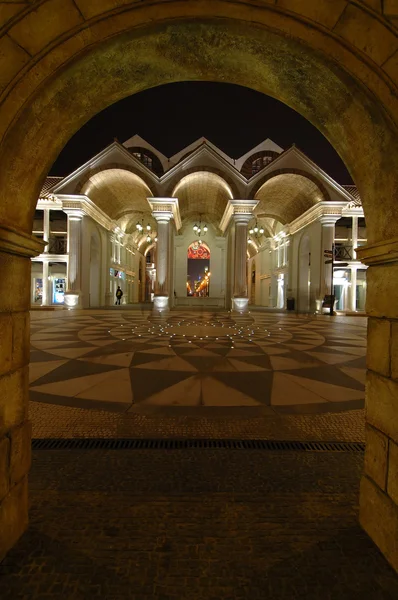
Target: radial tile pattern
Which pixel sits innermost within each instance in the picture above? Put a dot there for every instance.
(133, 361)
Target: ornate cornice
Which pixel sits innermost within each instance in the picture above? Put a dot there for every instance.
(380, 253)
(166, 208)
(78, 205)
(241, 209)
(19, 243)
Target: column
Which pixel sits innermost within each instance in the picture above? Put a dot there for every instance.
(327, 241)
(161, 298)
(45, 300)
(240, 300)
(73, 295)
(46, 228)
(353, 298)
(354, 236)
(16, 250)
(163, 210)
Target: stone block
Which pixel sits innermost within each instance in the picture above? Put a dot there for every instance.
(382, 404)
(20, 451)
(13, 516)
(13, 399)
(4, 467)
(7, 11)
(378, 351)
(323, 11)
(392, 477)
(368, 34)
(15, 276)
(5, 342)
(44, 24)
(390, 8)
(378, 516)
(93, 8)
(382, 283)
(376, 456)
(394, 350)
(20, 339)
(12, 59)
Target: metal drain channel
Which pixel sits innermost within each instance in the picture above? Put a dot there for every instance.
(182, 444)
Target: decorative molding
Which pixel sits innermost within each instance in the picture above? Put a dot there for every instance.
(381, 253)
(242, 210)
(315, 213)
(166, 208)
(19, 243)
(78, 205)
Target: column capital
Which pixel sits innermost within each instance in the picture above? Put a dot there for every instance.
(13, 241)
(74, 214)
(240, 210)
(329, 220)
(165, 209)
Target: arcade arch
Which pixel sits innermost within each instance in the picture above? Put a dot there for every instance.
(334, 63)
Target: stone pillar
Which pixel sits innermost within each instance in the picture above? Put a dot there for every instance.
(242, 213)
(73, 295)
(354, 236)
(240, 298)
(45, 300)
(327, 241)
(163, 210)
(161, 298)
(353, 296)
(46, 227)
(16, 249)
(379, 484)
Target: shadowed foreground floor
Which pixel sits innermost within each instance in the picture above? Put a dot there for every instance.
(195, 523)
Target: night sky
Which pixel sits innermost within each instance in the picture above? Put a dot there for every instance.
(172, 116)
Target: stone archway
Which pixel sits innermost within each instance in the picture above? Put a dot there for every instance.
(334, 65)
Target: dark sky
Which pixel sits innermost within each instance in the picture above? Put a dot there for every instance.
(172, 116)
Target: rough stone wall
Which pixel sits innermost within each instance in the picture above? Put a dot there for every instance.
(15, 430)
(379, 486)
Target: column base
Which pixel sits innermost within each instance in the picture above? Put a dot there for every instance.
(160, 303)
(240, 305)
(73, 300)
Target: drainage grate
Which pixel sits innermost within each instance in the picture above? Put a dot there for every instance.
(182, 444)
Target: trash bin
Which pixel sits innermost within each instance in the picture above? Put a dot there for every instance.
(290, 303)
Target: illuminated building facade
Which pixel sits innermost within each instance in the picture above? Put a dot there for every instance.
(199, 229)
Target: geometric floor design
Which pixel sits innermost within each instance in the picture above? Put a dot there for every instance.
(258, 363)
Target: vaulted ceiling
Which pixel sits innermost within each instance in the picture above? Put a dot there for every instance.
(285, 197)
(202, 193)
(117, 192)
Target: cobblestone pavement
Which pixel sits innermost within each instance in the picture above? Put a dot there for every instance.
(51, 421)
(195, 524)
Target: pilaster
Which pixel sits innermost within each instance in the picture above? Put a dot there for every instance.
(16, 250)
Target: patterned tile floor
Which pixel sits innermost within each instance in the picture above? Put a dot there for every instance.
(198, 363)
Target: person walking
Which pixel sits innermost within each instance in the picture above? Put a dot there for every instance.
(119, 294)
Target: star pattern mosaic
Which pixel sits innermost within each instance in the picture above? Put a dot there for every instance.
(134, 361)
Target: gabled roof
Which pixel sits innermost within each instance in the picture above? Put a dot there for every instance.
(202, 141)
(48, 184)
(106, 156)
(137, 140)
(353, 190)
(299, 160)
(267, 144)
